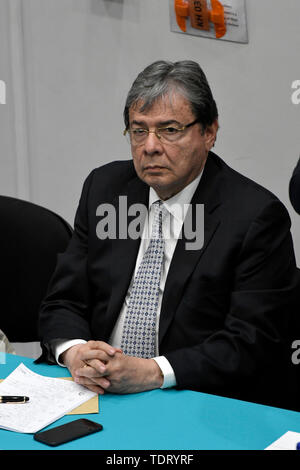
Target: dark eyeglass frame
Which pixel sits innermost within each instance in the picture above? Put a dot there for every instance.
(156, 131)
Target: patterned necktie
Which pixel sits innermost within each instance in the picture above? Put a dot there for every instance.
(139, 331)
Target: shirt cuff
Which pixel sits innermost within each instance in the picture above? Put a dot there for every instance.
(60, 345)
(167, 371)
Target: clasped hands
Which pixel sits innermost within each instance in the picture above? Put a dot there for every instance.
(103, 368)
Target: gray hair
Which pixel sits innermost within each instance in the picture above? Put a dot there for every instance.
(163, 77)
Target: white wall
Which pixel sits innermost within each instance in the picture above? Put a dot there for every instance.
(74, 61)
(7, 147)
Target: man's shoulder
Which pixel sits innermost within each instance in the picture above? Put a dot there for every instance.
(111, 177)
(119, 168)
(244, 196)
(239, 185)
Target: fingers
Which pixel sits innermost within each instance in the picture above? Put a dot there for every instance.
(101, 345)
(96, 384)
(95, 358)
(88, 364)
(93, 368)
(95, 388)
(96, 354)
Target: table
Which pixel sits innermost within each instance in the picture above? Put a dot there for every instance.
(163, 419)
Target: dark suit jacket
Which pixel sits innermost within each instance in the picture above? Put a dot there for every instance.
(294, 188)
(226, 308)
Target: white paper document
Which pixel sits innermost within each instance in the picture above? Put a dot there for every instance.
(50, 399)
(288, 441)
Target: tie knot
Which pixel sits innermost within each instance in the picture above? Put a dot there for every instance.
(159, 206)
(157, 219)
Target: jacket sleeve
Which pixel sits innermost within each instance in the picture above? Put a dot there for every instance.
(64, 313)
(253, 341)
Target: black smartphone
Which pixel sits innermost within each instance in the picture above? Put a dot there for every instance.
(67, 432)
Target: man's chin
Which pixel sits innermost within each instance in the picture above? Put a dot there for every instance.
(164, 189)
(156, 181)
(152, 176)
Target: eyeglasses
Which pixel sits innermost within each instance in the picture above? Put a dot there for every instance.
(168, 134)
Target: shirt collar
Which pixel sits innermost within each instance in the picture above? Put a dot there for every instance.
(178, 204)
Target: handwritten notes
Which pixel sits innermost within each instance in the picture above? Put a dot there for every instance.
(50, 399)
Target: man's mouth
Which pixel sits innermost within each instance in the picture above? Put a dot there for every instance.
(154, 167)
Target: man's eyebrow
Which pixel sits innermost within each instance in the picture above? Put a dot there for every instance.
(159, 124)
(137, 123)
(168, 123)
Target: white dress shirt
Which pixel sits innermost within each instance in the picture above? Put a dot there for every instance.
(176, 208)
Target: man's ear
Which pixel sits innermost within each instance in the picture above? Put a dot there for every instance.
(210, 134)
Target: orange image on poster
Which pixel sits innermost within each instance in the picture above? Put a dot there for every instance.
(200, 15)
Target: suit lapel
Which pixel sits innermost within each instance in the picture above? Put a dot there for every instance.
(185, 260)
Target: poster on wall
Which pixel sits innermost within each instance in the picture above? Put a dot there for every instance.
(221, 20)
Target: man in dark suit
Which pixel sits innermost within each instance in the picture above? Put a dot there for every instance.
(223, 306)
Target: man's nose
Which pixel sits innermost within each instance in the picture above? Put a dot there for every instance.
(152, 144)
